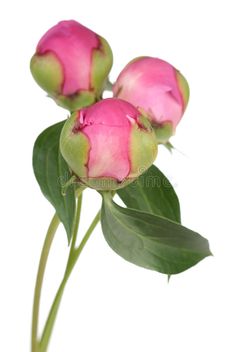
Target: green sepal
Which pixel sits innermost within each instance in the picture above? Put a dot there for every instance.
(169, 146)
(184, 87)
(143, 147)
(75, 147)
(105, 183)
(163, 132)
(47, 72)
(102, 61)
(77, 101)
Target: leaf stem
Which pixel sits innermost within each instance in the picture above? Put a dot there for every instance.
(39, 280)
(67, 184)
(73, 257)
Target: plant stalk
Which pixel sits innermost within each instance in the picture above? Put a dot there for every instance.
(73, 257)
(39, 280)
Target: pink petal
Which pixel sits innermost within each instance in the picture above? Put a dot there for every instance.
(151, 84)
(73, 44)
(107, 124)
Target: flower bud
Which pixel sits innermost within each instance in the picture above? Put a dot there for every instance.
(108, 145)
(71, 64)
(157, 87)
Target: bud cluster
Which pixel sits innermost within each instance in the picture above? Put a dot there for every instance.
(107, 143)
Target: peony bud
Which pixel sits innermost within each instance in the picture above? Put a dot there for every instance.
(71, 64)
(158, 88)
(108, 145)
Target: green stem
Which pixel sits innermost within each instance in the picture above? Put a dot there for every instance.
(73, 257)
(39, 280)
(75, 228)
(77, 251)
(108, 85)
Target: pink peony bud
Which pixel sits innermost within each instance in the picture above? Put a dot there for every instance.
(108, 144)
(158, 88)
(72, 63)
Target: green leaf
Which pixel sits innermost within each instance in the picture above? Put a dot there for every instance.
(152, 193)
(51, 171)
(151, 241)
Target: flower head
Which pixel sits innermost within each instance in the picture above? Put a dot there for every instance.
(157, 87)
(71, 63)
(108, 144)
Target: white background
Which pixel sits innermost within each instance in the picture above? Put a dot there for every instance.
(109, 304)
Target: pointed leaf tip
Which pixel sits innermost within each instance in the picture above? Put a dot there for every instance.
(151, 241)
